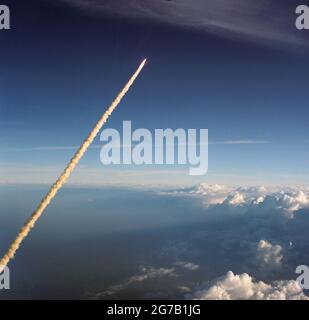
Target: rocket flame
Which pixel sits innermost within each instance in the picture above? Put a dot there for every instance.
(66, 173)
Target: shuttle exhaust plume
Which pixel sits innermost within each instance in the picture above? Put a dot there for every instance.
(66, 173)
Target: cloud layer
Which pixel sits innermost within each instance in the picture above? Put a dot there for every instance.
(243, 287)
(260, 198)
(261, 233)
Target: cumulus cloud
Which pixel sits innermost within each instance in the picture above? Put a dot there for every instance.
(260, 198)
(291, 201)
(235, 199)
(258, 232)
(269, 255)
(243, 287)
(212, 189)
(211, 193)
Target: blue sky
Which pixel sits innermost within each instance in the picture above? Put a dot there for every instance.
(62, 65)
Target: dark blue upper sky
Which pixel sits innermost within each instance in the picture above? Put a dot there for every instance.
(62, 64)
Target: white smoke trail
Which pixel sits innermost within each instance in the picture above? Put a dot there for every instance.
(66, 173)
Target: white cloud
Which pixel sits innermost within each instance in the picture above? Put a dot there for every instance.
(262, 21)
(251, 229)
(269, 255)
(148, 273)
(243, 287)
(212, 189)
(210, 193)
(284, 200)
(184, 289)
(260, 198)
(235, 199)
(294, 200)
(227, 142)
(145, 273)
(187, 265)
